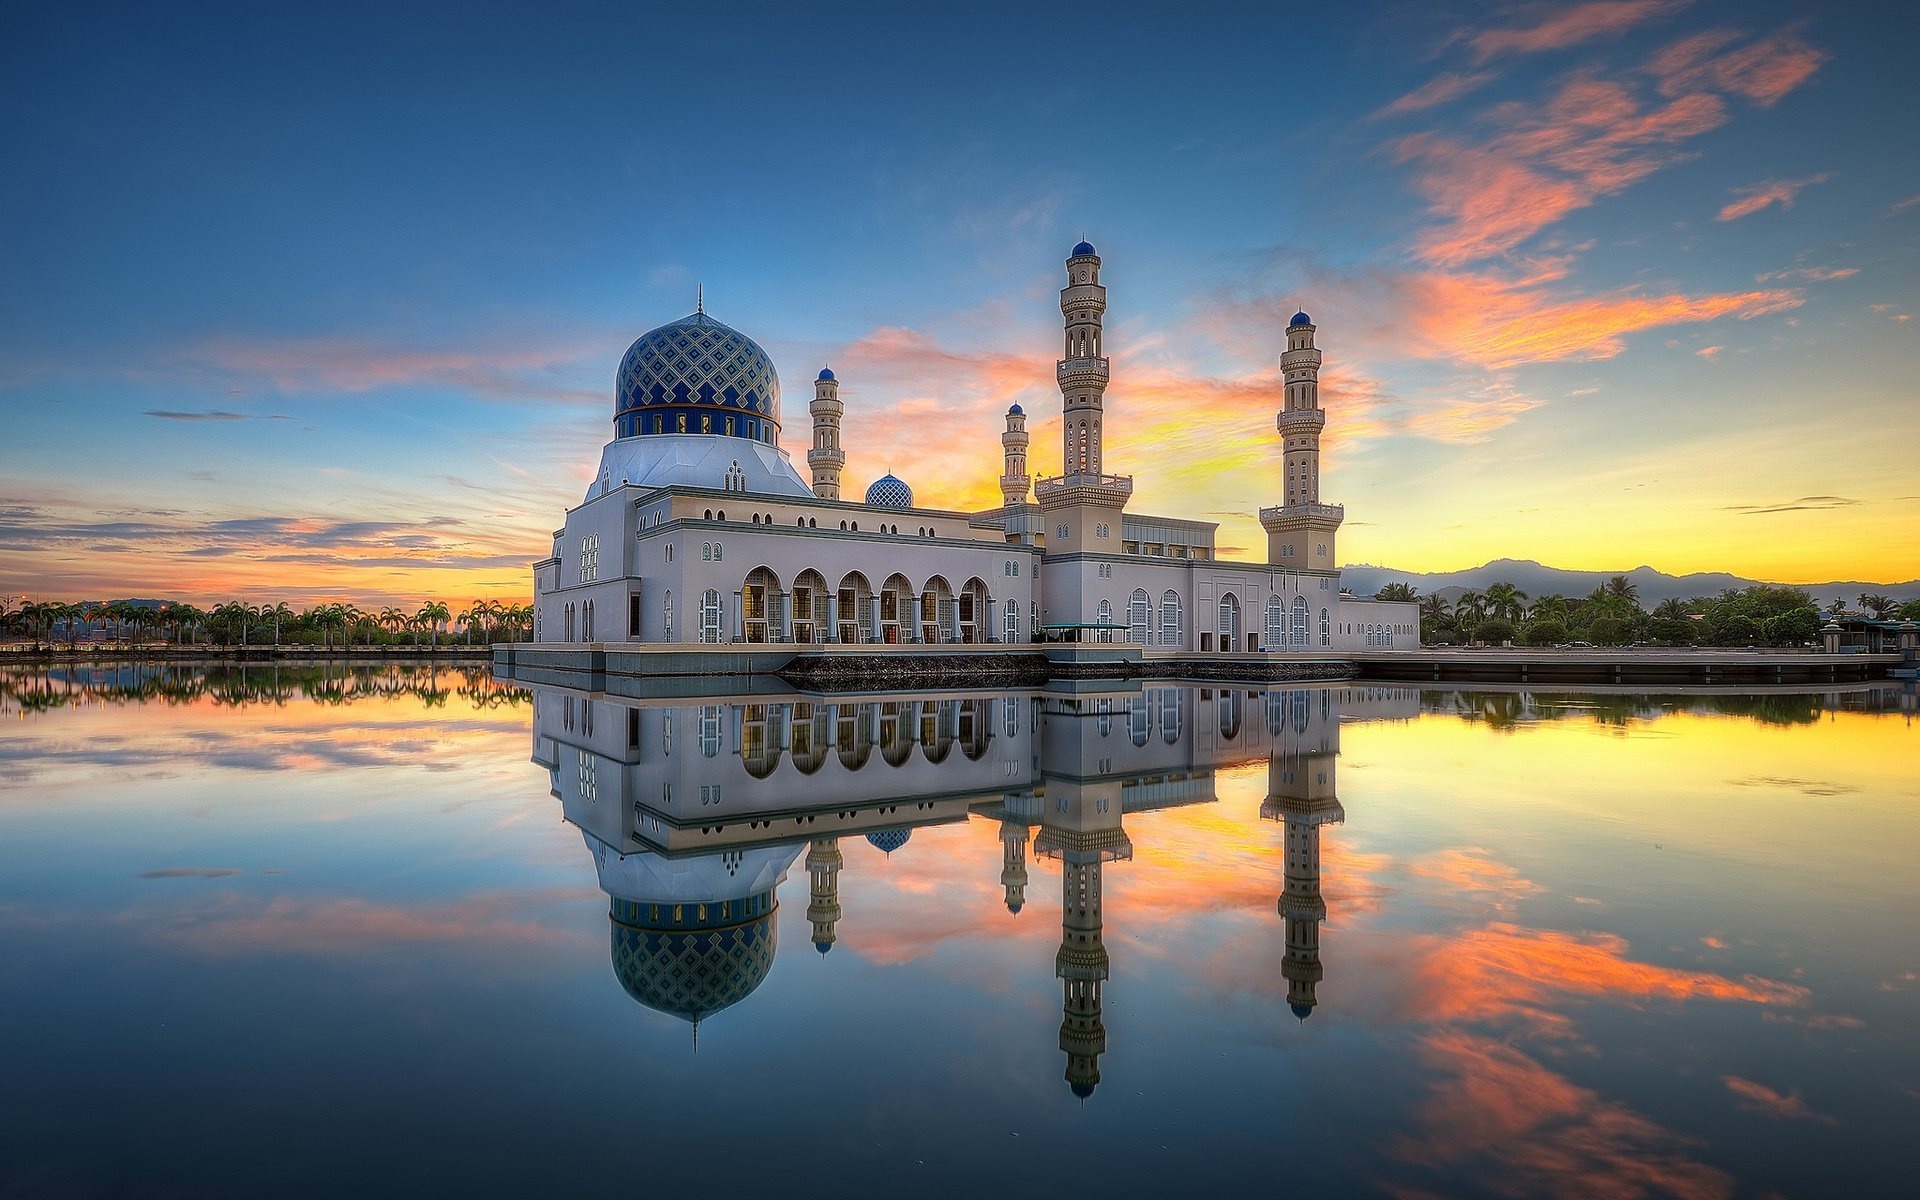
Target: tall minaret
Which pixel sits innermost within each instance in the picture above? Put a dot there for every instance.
(824, 861)
(1081, 830)
(1300, 533)
(1083, 369)
(1014, 478)
(826, 458)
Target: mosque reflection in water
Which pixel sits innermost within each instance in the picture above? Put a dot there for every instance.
(695, 813)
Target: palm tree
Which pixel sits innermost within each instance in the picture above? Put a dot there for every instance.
(279, 612)
(1397, 591)
(1433, 608)
(1552, 607)
(431, 614)
(1505, 601)
(1623, 589)
(393, 619)
(1469, 609)
(1879, 605)
(1838, 608)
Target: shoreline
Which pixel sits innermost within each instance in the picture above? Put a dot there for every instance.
(235, 654)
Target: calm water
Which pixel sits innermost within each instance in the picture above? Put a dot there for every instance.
(301, 933)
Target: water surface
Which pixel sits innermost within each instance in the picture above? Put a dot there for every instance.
(297, 932)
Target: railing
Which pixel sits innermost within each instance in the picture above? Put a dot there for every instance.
(1321, 511)
(1053, 483)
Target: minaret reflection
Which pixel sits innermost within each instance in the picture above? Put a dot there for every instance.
(1301, 794)
(824, 861)
(1013, 862)
(1079, 828)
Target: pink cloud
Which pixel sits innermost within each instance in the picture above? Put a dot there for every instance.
(1764, 195)
(1762, 71)
(1441, 89)
(1569, 27)
(1709, 352)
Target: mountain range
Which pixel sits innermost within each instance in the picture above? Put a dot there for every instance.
(1538, 579)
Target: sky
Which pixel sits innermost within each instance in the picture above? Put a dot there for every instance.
(327, 305)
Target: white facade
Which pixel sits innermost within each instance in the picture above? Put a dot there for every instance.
(714, 537)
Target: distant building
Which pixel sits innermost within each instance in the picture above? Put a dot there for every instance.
(698, 528)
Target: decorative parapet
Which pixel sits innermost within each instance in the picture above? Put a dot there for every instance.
(1297, 512)
(1301, 418)
(1060, 491)
(1082, 372)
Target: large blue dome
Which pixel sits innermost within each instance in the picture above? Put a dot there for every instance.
(890, 491)
(692, 960)
(697, 376)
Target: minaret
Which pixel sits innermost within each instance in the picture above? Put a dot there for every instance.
(1014, 478)
(826, 458)
(1083, 369)
(1300, 533)
(823, 873)
(1013, 862)
(1301, 794)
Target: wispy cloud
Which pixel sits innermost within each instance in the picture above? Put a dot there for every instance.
(1809, 274)
(1760, 196)
(1762, 70)
(210, 415)
(1441, 89)
(1709, 352)
(1900, 206)
(1758, 1097)
(190, 873)
(1803, 504)
(1568, 27)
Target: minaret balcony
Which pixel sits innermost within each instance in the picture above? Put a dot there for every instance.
(1060, 491)
(1323, 513)
(1300, 420)
(1082, 372)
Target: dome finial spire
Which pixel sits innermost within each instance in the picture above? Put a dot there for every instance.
(699, 298)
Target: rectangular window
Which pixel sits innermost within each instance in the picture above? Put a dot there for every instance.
(633, 614)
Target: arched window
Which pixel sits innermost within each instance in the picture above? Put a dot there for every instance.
(1013, 622)
(1326, 628)
(1229, 625)
(667, 608)
(1140, 618)
(1105, 618)
(1275, 624)
(586, 621)
(706, 551)
(1300, 621)
(710, 616)
(1170, 634)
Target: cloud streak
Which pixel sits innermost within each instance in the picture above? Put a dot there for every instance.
(1762, 196)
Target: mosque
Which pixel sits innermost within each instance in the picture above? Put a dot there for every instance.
(694, 811)
(698, 528)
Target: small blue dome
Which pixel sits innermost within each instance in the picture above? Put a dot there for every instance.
(890, 491)
(1303, 1011)
(826, 372)
(1016, 410)
(1084, 248)
(1081, 1088)
(823, 947)
(1015, 906)
(889, 840)
(1299, 318)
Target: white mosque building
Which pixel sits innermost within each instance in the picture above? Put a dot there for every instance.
(698, 528)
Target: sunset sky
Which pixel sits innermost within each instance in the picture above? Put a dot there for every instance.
(328, 305)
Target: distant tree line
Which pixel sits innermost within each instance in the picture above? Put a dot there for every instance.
(1611, 615)
(236, 623)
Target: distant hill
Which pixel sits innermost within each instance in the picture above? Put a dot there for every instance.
(1538, 579)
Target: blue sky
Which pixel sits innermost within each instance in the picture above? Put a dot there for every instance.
(1601, 284)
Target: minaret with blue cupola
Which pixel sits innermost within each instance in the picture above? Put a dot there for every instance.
(1082, 370)
(1014, 480)
(1300, 532)
(1302, 794)
(826, 458)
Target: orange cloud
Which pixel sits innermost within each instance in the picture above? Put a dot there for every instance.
(1764, 195)
(1758, 1097)
(1540, 1134)
(1571, 27)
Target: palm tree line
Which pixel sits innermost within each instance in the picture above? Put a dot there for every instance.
(242, 625)
(39, 690)
(1611, 615)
